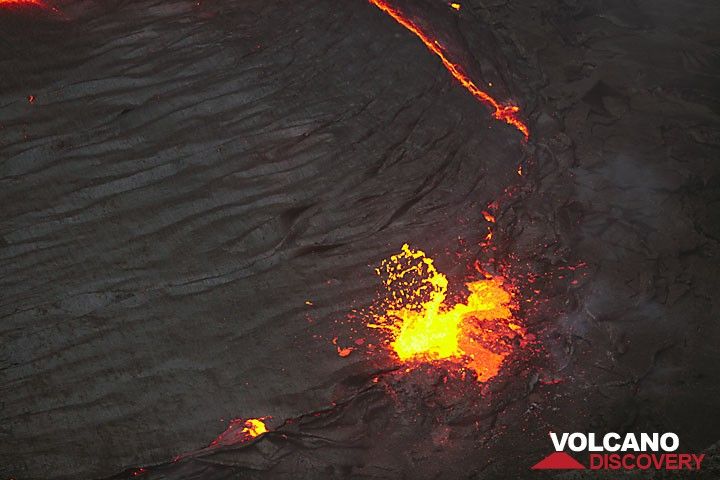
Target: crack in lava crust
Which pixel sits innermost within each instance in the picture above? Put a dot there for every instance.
(505, 113)
(477, 334)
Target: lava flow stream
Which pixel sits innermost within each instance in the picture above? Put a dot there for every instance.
(424, 326)
(506, 113)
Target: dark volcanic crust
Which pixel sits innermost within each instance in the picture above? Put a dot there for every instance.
(189, 174)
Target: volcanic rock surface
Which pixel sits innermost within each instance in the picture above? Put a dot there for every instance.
(195, 195)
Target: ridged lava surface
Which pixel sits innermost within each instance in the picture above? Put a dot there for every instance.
(195, 195)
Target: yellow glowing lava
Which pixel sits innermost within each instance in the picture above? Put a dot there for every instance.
(254, 427)
(424, 326)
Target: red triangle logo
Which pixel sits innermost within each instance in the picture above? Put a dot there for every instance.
(558, 461)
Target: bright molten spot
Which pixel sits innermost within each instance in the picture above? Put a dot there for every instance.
(240, 430)
(424, 326)
(254, 427)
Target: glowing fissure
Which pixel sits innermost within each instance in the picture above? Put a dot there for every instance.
(505, 113)
(424, 326)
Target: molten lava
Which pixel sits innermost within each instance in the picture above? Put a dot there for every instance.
(424, 326)
(254, 427)
(19, 3)
(241, 431)
(506, 113)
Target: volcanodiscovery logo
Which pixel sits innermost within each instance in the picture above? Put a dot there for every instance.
(613, 451)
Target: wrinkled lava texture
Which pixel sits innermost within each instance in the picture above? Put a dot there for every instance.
(195, 195)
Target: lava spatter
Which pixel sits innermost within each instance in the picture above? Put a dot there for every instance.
(505, 113)
(423, 325)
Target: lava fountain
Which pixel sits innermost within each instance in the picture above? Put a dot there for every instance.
(423, 325)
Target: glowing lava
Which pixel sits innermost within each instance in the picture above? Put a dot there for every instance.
(506, 113)
(240, 431)
(254, 427)
(423, 326)
(19, 3)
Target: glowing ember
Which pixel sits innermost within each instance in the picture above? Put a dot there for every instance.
(342, 351)
(424, 326)
(506, 113)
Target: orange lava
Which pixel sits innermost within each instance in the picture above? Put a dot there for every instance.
(19, 3)
(506, 113)
(342, 351)
(424, 326)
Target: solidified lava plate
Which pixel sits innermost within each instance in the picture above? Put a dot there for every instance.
(363, 239)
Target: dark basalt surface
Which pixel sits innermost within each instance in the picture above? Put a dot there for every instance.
(189, 174)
